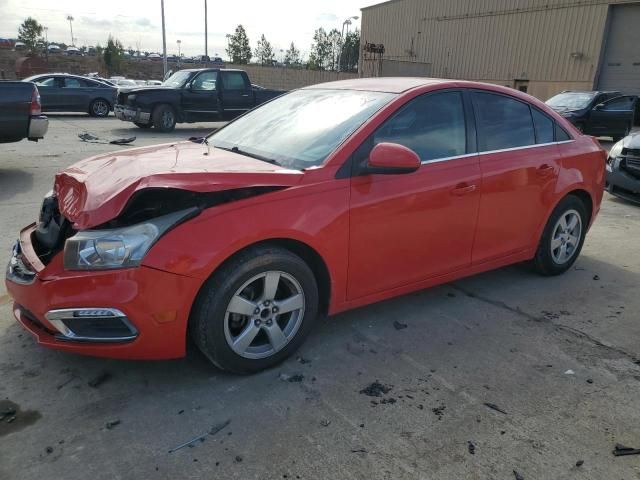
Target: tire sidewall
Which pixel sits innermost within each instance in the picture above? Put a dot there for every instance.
(157, 118)
(544, 260)
(219, 290)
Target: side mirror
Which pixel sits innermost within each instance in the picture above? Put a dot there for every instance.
(599, 106)
(392, 158)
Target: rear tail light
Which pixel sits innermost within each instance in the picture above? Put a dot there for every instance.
(36, 106)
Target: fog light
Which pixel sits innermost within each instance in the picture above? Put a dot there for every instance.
(92, 325)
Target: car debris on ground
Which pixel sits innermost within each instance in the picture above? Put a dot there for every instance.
(200, 438)
(99, 380)
(495, 407)
(621, 450)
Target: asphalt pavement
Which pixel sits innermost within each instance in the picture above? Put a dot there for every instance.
(501, 372)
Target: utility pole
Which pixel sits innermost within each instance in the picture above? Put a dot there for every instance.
(46, 43)
(164, 43)
(206, 39)
(70, 18)
(178, 42)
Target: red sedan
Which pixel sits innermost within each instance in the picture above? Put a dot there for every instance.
(325, 199)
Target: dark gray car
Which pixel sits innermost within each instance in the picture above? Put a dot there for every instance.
(623, 169)
(62, 92)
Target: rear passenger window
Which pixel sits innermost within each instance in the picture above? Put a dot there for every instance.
(502, 122)
(233, 81)
(561, 134)
(543, 125)
(431, 125)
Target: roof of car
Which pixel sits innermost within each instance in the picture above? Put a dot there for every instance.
(381, 84)
(212, 68)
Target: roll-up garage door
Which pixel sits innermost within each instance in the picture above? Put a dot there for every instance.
(620, 69)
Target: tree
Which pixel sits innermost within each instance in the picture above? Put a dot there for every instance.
(320, 55)
(292, 56)
(334, 40)
(112, 54)
(264, 51)
(239, 50)
(350, 52)
(30, 33)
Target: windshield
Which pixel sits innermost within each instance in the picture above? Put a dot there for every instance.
(177, 80)
(300, 129)
(571, 100)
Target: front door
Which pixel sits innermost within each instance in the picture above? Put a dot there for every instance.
(237, 94)
(407, 228)
(519, 161)
(613, 117)
(200, 98)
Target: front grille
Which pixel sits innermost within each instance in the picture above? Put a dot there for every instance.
(631, 165)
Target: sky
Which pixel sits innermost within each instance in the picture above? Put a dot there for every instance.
(137, 23)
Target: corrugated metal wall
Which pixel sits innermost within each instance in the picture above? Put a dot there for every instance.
(494, 40)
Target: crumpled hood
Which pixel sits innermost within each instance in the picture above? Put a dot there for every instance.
(145, 88)
(632, 141)
(94, 191)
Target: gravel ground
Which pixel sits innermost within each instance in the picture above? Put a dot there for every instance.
(501, 372)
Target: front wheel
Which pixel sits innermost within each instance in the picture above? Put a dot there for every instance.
(562, 238)
(256, 311)
(164, 118)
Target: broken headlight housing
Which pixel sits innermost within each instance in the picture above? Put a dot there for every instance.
(118, 247)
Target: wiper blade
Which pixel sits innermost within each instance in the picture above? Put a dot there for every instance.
(239, 151)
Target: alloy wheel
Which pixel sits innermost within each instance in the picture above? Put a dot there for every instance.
(100, 108)
(167, 119)
(264, 314)
(566, 235)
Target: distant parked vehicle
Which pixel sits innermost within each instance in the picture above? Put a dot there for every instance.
(601, 114)
(73, 51)
(623, 169)
(21, 113)
(53, 48)
(62, 92)
(194, 95)
(154, 56)
(19, 46)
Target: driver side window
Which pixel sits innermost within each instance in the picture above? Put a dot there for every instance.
(432, 125)
(205, 81)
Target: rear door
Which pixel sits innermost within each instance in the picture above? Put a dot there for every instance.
(200, 100)
(237, 94)
(613, 117)
(519, 164)
(407, 228)
(74, 95)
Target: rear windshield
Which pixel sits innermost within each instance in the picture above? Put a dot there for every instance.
(300, 129)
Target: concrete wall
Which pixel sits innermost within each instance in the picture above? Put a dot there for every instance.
(555, 45)
(283, 78)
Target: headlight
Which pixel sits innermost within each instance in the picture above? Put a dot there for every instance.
(616, 150)
(119, 247)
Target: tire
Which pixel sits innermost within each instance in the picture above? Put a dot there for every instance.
(271, 336)
(143, 125)
(551, 261)
(164, 118)
(99, 108)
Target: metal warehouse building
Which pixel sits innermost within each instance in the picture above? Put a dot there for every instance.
(538, 46)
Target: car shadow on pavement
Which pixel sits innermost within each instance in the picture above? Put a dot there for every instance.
(14, 181)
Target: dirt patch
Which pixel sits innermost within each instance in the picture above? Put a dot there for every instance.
(13, 419)
(376, 389)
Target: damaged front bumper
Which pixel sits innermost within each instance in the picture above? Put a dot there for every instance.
(113, 313)
(129, 114)
(621, 183)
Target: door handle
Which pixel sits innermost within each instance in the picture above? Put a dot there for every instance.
(245, 94)
(545, 170)
(463, 189)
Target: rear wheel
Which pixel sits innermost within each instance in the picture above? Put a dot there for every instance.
(99, 108)
(256, 311)
(143, 125)
(562, 238)
(164, 118)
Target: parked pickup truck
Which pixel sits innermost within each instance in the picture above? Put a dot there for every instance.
(193, 95)
(21, 112)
